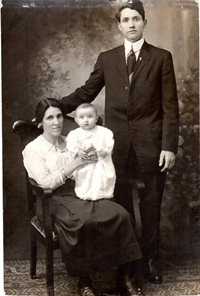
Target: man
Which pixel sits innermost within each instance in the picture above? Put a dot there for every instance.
(142, 111)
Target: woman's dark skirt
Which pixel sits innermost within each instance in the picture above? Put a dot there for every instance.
(94, 236)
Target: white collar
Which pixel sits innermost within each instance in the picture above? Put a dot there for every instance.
(136, 45)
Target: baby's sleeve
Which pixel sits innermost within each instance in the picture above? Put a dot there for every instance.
(107, 142)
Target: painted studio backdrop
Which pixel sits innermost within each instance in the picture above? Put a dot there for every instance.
(49, 49)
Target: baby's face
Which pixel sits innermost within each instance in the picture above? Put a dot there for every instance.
(86, 118)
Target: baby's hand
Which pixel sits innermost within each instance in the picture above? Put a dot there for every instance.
(102, 154)
(92, 154)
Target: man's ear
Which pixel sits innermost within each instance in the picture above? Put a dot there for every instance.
(119, 26)
(145, 23)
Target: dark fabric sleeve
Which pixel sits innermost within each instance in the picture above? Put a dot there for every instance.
(169, 105)
(87, 92)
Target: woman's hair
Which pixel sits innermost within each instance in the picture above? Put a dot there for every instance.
(43, 105)
(134, 5)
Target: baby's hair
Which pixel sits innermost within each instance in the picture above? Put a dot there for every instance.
(87, 105)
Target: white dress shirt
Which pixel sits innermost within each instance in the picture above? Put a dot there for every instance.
(135, 45)
(44, 162)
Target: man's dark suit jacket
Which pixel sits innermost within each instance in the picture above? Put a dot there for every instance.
(145, 112)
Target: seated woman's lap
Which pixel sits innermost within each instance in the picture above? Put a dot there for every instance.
(92, 232)
(87, 212)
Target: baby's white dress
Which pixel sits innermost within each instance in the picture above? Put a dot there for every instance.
(96, 180)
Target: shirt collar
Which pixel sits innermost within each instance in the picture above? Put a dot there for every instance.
(136, 45)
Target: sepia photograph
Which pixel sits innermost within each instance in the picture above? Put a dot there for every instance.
(100, 147)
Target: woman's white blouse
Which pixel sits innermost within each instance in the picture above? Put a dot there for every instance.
(44, 162)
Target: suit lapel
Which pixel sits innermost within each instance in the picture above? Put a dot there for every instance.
(121, 62)
(142, 60)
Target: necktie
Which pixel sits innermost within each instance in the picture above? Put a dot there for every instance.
(131, 61)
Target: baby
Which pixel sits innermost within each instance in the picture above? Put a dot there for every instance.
(96, 180)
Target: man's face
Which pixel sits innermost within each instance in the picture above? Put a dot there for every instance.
(131, 24)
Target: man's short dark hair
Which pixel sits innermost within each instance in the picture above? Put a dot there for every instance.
(134, 5)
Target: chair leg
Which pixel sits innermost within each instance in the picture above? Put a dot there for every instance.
(50, 291)
(49, 272)
(33, 256)
(136, 208)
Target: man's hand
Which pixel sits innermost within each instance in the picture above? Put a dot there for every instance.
(167, 158)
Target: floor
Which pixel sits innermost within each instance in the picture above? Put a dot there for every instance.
(19, 249)
(179, 278)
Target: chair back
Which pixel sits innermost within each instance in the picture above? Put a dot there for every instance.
(28, 130)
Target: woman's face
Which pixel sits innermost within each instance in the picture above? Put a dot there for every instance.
(53, 122)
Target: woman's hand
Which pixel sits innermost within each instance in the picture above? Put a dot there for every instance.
(82, 154)
(92, 154)
(89, 154)
(82, 162)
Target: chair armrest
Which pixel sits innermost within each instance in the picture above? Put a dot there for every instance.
(137, 184)
(44, 195)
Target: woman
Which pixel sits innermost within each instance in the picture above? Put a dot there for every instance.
(93, 235)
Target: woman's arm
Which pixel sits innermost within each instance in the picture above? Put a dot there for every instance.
(37, 169)
(75, 164)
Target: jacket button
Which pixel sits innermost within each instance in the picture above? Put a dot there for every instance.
(125, 106)
(126, 87)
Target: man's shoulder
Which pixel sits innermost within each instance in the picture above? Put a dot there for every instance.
(157, 49)
(111, 51)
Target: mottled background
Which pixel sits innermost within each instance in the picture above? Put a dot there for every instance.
(49, 49)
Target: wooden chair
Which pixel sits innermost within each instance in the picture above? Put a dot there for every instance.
(41, 229)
